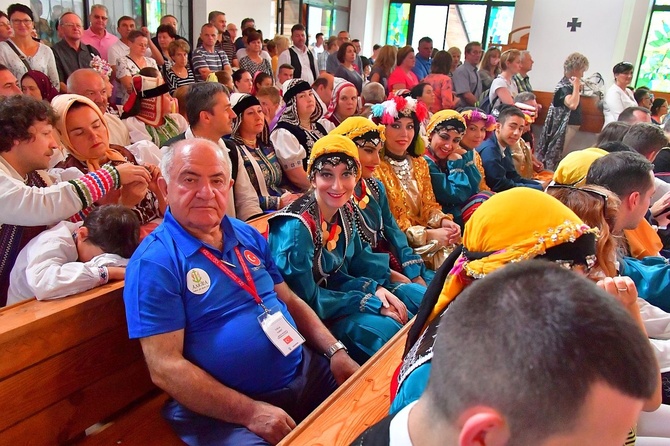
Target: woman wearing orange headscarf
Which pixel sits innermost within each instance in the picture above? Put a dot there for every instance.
(511, 226)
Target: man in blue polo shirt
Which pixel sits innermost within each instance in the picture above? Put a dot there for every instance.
(215, 319)
(423, 58)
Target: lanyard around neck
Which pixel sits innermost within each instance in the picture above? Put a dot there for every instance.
(249, 286)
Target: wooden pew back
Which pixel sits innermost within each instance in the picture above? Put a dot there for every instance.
(66, 365)
(356, 405)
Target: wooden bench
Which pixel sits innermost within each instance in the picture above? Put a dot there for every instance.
(68, 364)
(359, 403)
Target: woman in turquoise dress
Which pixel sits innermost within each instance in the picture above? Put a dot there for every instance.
(318, 249)
(454, 173)
(377, 225)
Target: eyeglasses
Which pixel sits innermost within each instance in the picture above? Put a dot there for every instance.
(592, 192)
(72, 25)
(24, 21)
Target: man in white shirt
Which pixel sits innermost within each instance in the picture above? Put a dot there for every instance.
(318, 47)
(210, 116)
(299, 56)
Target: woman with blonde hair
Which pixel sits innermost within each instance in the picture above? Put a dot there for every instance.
(282, 43)
(503, 88)
(489, 68)
(598, 208)
(383, 66)
(564, 115)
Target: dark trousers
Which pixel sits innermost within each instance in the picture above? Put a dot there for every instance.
(313, 383)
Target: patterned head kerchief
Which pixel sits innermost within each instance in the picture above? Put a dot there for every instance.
(240, 102)
(502, 231)
(333, 149)
(477, 115)
(446, 120)
(339, 84)
(291, 89)
(360, 130)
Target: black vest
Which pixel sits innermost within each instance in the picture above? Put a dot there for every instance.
(297, 66)
(301, 136)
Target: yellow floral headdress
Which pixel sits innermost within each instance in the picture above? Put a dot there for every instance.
(446, 118)
(503, 231)
(333, 149)
(357, 126)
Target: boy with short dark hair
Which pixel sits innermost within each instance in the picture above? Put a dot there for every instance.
(496, 154)
(74, 257)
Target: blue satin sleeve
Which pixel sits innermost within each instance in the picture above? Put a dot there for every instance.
(651, 276)
(339, 294)
(412, 264)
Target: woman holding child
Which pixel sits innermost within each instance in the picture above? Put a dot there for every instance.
(333, 270)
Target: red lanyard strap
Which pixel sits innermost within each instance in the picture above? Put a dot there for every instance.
(249, 286)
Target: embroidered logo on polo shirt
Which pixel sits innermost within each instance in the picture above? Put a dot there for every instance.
(252, 258)
(197, 281)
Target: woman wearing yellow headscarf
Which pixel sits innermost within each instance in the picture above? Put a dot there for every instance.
(317, 247)
(512, 226)
(377, 225)
(83, 131)
(453, 172)
(643, 241)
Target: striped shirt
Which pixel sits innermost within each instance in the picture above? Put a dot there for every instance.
(215, 61)
(175, 81)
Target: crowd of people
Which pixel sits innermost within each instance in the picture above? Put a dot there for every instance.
(396, 187)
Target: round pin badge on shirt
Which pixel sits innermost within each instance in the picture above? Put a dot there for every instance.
(198, 281)
(252, 258)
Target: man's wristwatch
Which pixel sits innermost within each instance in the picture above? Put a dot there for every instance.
(336, 347)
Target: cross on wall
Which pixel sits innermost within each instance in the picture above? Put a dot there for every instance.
(574, 24)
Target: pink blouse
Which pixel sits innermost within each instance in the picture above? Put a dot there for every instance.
(398, 76)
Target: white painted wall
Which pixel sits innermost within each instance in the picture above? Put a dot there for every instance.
(262, 11)
(367, 22)
(611, 31)
(523, 13)
(4, 4)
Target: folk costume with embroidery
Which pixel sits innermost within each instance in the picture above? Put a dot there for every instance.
(408, 184)
(331, 268)
(377, 225)
(456, 182)
(260, 160)
(512, 226)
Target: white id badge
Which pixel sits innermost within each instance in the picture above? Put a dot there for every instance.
(280, 332)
